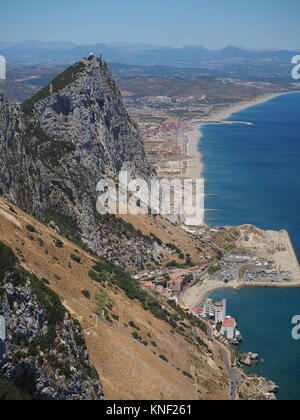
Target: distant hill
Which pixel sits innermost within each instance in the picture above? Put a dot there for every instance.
(136, 54)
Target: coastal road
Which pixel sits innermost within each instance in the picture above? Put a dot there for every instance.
(236, 376)
(233, 385)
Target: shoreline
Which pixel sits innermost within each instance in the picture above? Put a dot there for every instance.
(195, 166)
(203, 292)
(195, 170)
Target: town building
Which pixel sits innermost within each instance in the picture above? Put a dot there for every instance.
(229, 328)
(214, 310)
(198, 312)
(176, 284)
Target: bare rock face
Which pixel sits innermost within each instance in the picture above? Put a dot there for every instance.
(89, 113)
(59, 144)
(44, 353)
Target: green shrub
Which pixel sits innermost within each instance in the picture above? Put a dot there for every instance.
(8, 260)
(68, 226)
(86, 294)
(31, 228)
(133, 325)
(104, 276)
(187, 374)
(45, 281)
(93, 275)
(174, 248)
(164, 358)
(76, 258)
(59, 243)
(101, 299)
(135, 336)
(41, 242)
(12, 210)
(9, 392)
(173, 264)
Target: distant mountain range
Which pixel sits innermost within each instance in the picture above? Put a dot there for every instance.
(37, 52)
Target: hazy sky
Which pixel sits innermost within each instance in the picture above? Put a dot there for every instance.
(211, 23)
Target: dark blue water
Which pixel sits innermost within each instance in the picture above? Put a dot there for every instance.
(257, 171)
(264, 319)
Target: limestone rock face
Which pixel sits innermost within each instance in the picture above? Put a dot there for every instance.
(44, 352)
(59, 144)
(90, 114)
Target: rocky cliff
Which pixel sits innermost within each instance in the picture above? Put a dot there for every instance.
(56, 146)
(44, 354)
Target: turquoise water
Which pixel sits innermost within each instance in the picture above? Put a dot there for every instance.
(257, 171)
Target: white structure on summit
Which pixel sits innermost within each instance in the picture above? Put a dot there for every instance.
(215, 310)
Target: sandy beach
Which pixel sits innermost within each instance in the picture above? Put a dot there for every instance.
(197, 294)
(195, 165)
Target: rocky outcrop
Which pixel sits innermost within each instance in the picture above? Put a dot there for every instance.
(249, 359)
(258, 389)
(59, 144)
(44, 353)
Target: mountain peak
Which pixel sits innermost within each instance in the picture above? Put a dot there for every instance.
(70, 135)
(64, 79)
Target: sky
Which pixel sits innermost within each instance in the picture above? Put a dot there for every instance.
(213, 24)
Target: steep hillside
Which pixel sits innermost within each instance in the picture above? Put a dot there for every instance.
(142, 346)
(59, 144)
(45, 351)
(43, 354)
(169, 233)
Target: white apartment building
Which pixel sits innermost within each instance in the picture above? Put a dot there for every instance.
(214, 310)
(229, 328)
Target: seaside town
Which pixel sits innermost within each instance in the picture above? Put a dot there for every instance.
(170, 126)
(164, 123)
(172, 282)
(237, 268)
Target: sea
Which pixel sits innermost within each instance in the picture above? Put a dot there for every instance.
(256, 172)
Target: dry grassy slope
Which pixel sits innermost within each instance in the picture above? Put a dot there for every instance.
(128, 369)
(169, 233)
